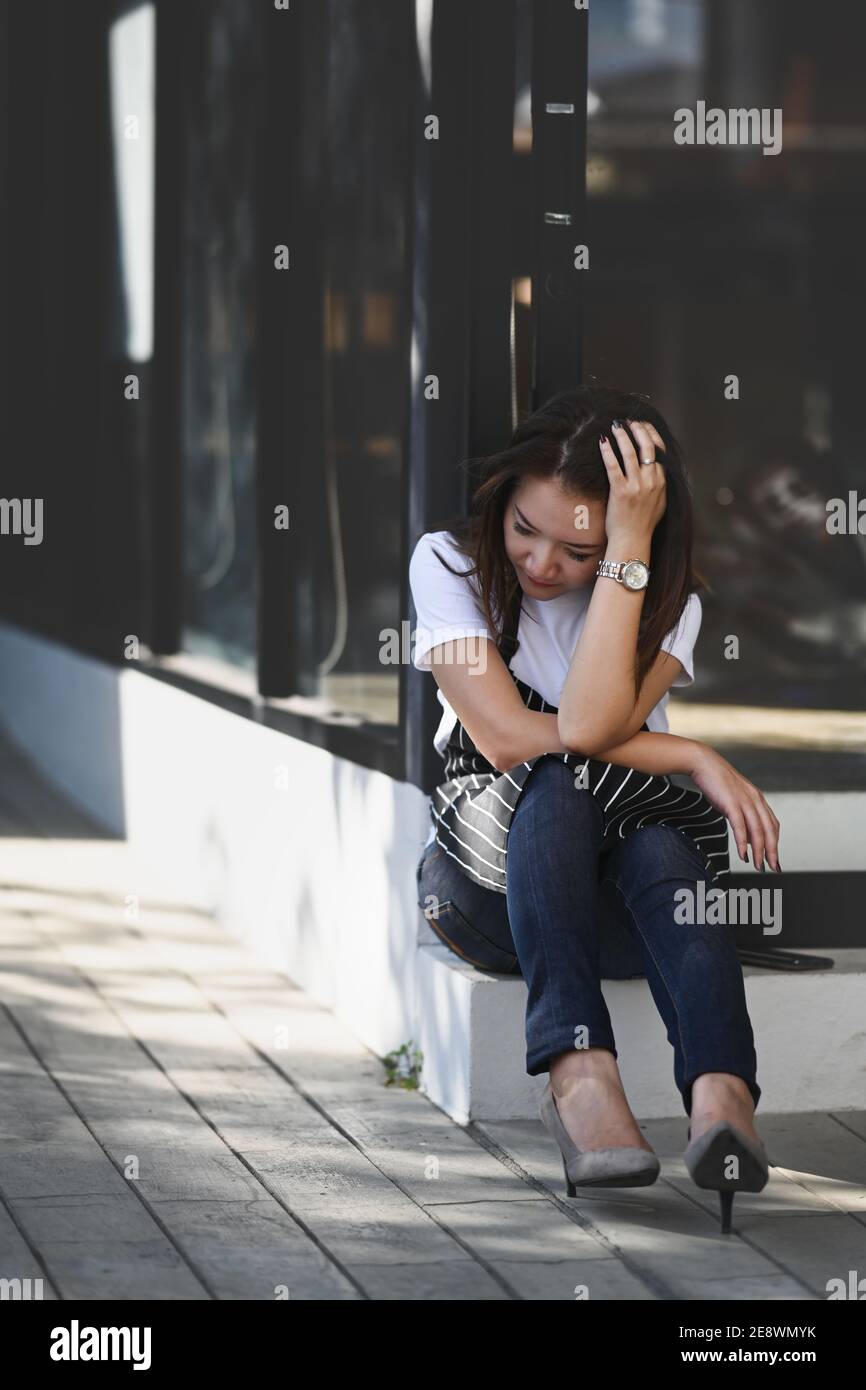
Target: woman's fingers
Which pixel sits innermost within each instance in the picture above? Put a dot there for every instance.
(753, 822)
(766, 846)
(645, 442)
(771, 833)
(756, 832)
(740, 833)
(652, 431)
(626, 448)
(637, 491)
(750, 817)
(611, 462)
(648, 441)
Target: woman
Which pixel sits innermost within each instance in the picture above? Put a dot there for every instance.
(555, 620)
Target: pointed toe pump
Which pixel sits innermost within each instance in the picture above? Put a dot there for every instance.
(622, 1167)
(708, 1156)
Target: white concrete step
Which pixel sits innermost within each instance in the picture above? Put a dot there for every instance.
(809, 1031)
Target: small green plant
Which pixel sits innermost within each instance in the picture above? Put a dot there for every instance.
(403, 1067)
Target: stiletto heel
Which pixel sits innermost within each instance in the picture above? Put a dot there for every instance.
(707, 1157)
(726, 1202)
(570, 1188)
(619, 1167)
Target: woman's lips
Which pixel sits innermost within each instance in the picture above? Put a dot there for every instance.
(541, 584)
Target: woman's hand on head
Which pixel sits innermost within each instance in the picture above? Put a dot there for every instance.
(638, 496)
(750, 817)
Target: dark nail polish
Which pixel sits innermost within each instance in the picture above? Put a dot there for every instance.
(617, 424)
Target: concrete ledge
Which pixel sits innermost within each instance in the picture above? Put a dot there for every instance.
(809, 1036)
(323, 888)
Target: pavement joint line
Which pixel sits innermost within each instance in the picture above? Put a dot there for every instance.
(653, 1283)
(310, 1234)
(335, 1124)
(139, 1195)
(217, 1009)
(13, 1217)
(692, 1197)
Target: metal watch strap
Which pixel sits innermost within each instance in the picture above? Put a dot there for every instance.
(612, 569)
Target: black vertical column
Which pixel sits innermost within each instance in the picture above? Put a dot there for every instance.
(164, 487)
(559, 84)
(462, 289)
(441, 315)
(492, 241)
(280, 219)
(80, 583)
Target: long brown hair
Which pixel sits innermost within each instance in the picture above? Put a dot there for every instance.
(560, 441)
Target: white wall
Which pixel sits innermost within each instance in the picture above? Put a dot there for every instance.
(319, 877)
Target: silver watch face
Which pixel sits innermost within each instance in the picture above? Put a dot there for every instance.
(635, 575)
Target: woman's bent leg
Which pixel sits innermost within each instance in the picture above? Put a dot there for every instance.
(552, 893)
(693, 969)
(468, 918)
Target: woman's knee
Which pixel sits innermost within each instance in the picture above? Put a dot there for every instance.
(656, 854)
(553, 791)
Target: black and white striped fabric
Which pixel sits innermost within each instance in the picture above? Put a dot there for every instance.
(472, 809)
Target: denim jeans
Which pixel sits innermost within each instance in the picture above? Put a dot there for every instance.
(574, 914)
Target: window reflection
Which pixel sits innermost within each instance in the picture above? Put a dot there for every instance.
(718, 262)
(224, 76)
(349, 468)
(131, 58)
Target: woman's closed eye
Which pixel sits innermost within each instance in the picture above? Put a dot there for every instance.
(524, 531)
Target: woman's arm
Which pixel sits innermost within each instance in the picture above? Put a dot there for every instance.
(740, 801)
(480, 689)
(658, 754)
(487, 702)
(488, 705)
(599, 705)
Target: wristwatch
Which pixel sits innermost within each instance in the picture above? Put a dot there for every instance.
(633, 574)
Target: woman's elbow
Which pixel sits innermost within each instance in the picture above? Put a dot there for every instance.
(505, 751)
(588, 739)
(501, 759)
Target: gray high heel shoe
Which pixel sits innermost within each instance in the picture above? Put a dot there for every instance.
(707, 1157)
(622, 1167)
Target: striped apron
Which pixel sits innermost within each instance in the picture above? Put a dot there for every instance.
(472, 809)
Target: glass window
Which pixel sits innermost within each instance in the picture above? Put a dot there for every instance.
(224, 79)
(725, 283)
(354, 348)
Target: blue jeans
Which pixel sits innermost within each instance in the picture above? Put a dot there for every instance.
(573, 914)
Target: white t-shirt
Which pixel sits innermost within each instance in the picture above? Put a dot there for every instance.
(448, 606)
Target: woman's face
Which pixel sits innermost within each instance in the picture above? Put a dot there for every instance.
(554, 539)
